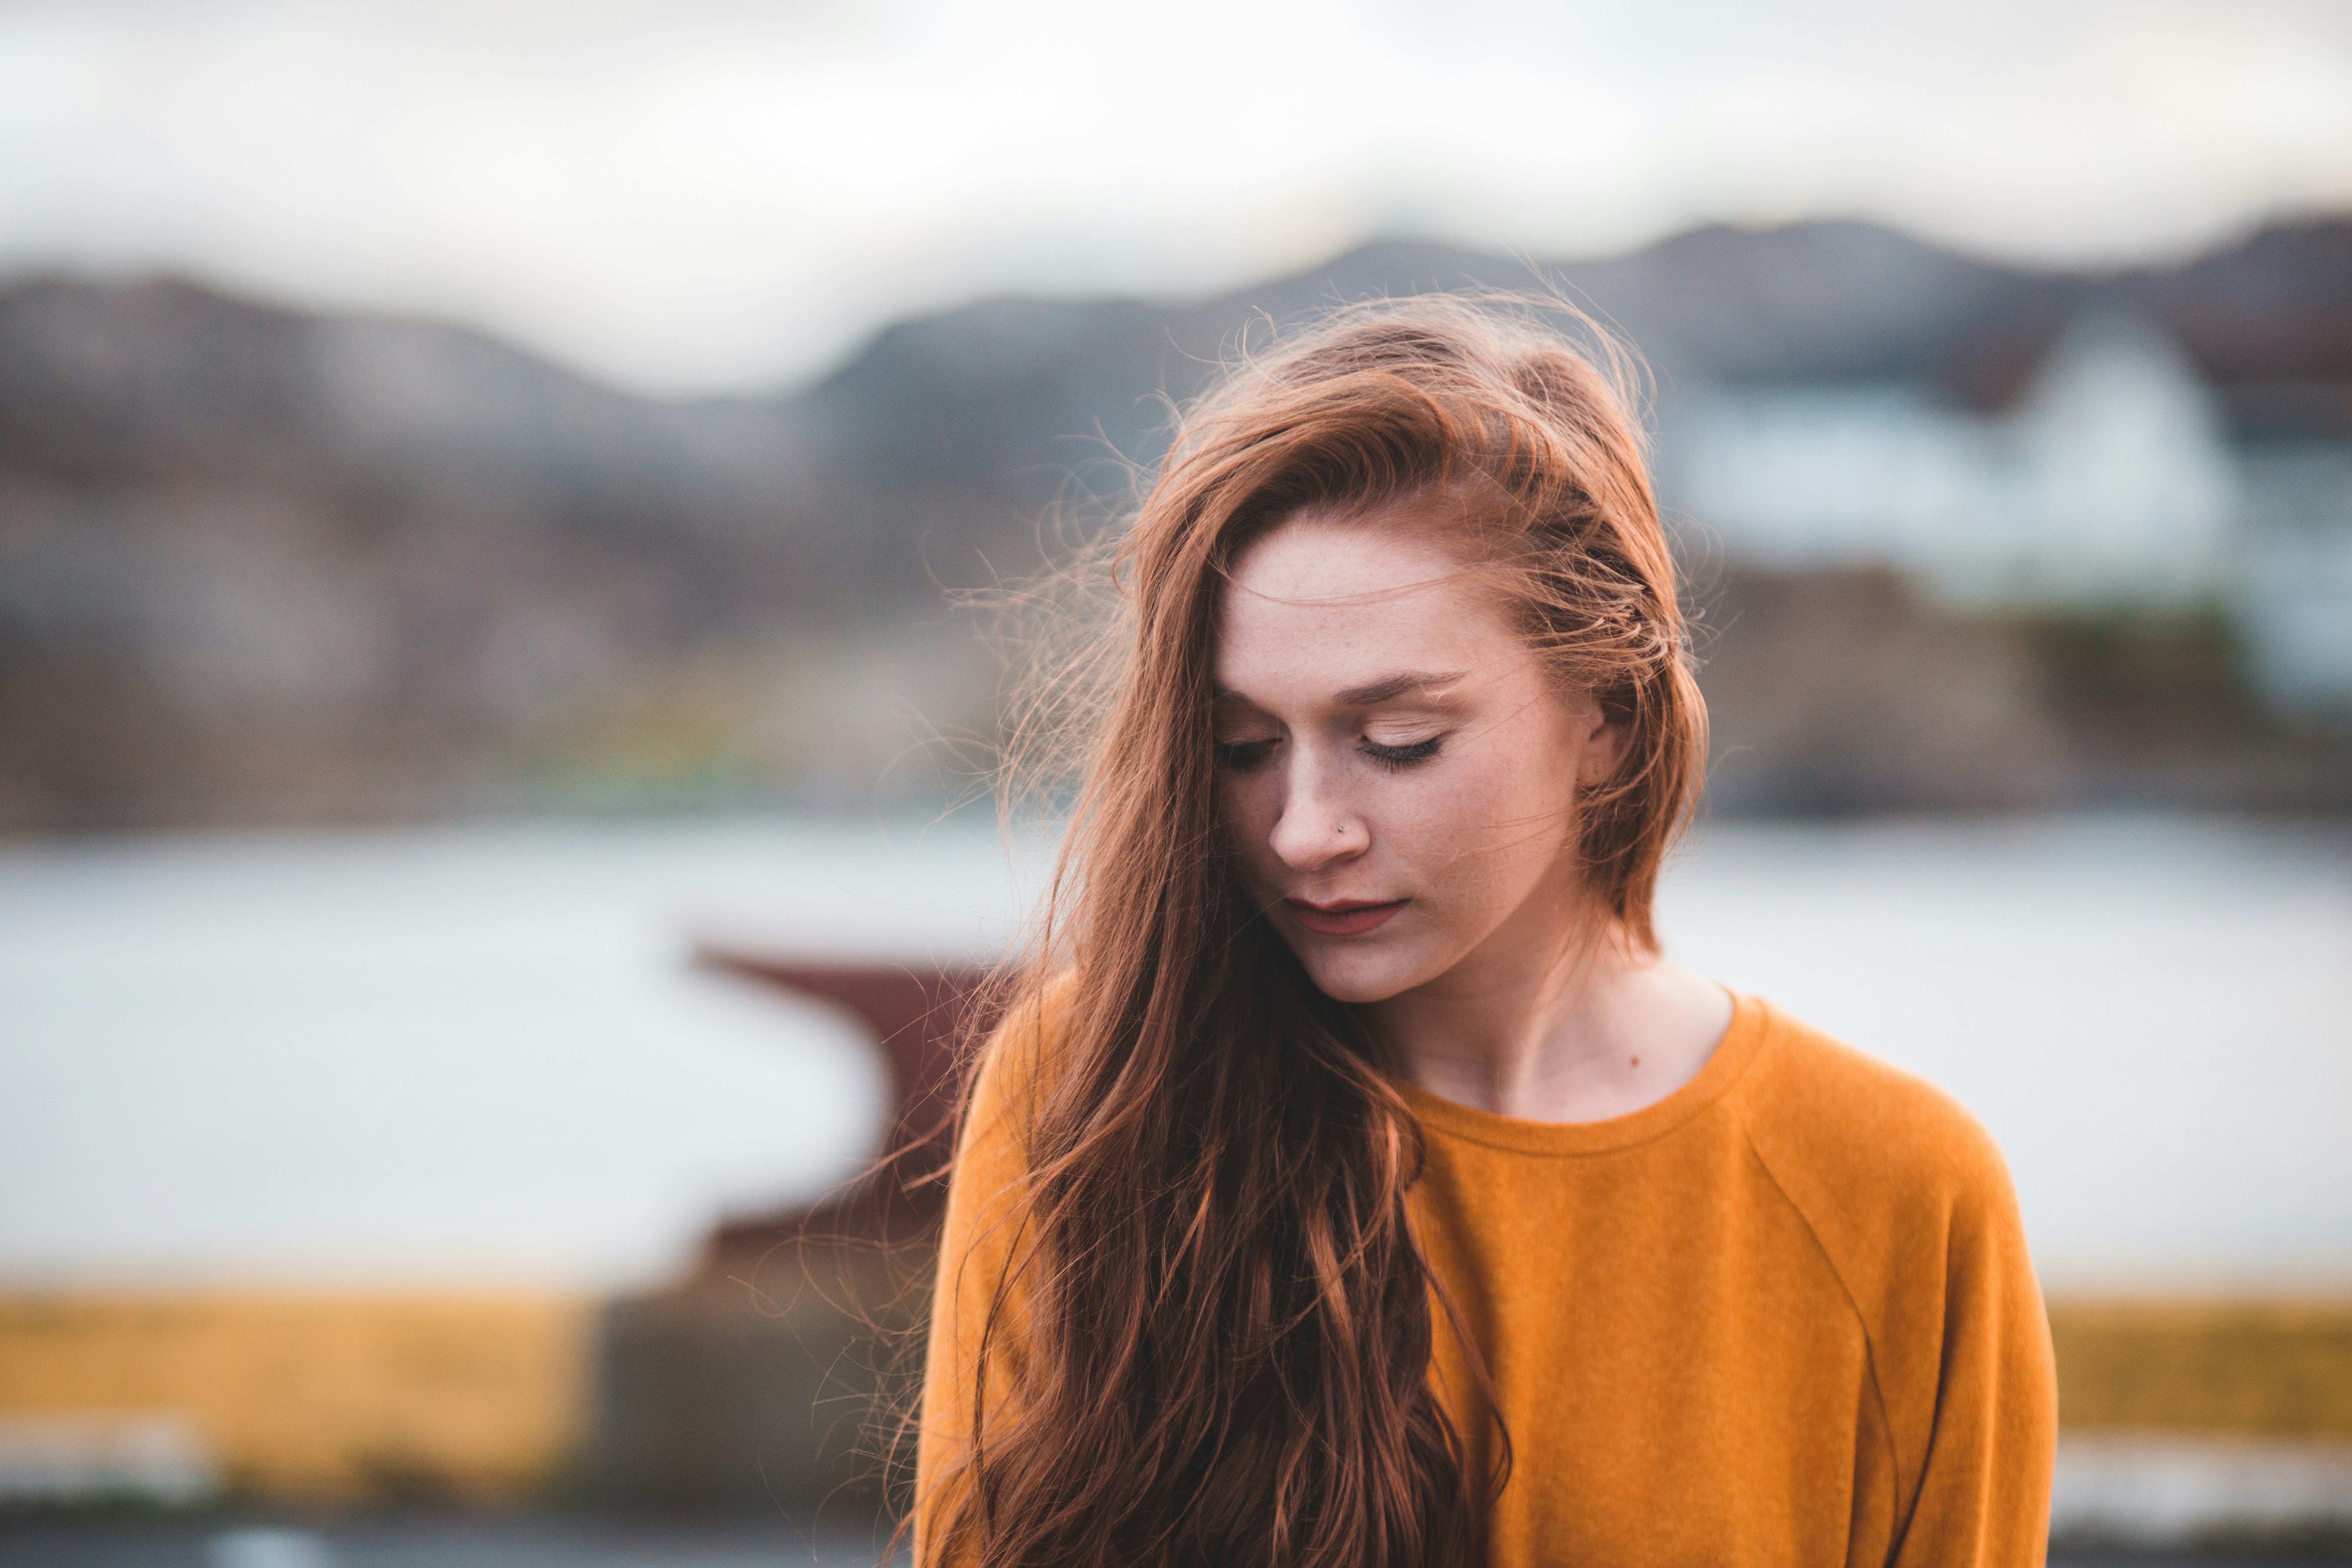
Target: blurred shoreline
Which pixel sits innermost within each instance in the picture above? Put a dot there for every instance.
(1961, 537)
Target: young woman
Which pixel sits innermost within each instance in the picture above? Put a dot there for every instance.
(1355, 1183)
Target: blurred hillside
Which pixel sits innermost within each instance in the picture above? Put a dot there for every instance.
(257, 565)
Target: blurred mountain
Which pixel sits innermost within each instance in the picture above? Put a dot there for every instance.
(254, 561)
(1036, 393)
(259, 564)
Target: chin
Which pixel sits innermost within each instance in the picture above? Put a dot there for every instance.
(1357, 974)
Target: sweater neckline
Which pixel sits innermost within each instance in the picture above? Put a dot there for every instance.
(1733, 1054)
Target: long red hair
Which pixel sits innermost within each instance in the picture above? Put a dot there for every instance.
(1226, 1323)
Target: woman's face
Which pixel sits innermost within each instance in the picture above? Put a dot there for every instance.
(1395, 768)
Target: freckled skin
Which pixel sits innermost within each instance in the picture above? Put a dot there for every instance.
(1475, 837)
(1384, 738)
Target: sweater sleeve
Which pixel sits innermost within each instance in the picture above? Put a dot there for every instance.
(1983, 1497)
(979, 1276)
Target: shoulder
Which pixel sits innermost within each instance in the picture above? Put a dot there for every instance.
(1906, 1192)
(1910, 1203)
(1818, 1108)
(1015, 1059)
(1010, 1072)
(989, 1180)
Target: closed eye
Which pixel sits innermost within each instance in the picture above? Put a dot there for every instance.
(1396, 758)
(1245, 756)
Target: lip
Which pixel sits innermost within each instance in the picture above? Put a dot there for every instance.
(1342, 917)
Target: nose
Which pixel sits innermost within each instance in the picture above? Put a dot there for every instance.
(1319, 827)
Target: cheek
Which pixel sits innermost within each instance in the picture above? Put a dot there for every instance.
(1486, 832)
(1246, 810)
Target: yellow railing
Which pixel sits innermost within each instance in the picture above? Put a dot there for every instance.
(322, 1397)
(326, 1397)
(2259, 1368)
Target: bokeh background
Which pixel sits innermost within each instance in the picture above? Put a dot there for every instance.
(491, 762)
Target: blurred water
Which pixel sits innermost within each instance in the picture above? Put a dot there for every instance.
(479, 1055)
(2153, 1016)
(456, 1056)
(265, 1548)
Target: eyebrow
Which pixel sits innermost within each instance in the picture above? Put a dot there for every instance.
(1378, 692)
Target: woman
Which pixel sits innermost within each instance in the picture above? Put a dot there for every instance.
(1355, 1182)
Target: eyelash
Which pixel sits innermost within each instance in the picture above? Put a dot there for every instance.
(1396, 759)
(1243, 756)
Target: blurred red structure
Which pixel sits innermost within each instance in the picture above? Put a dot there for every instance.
(768, 1377)
(918, 1015)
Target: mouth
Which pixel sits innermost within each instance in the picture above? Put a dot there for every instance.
(1342, 917)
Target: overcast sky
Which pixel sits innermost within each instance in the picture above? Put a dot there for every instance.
(694, 194)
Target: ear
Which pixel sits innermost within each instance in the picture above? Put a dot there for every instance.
(1602, 735)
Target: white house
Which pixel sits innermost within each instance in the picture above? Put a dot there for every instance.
(2111, 482)
(2294, 572)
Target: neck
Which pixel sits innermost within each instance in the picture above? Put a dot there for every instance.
(1588, 1027)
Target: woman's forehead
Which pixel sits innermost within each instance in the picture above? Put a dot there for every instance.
(1350, 607)
(1317, 562)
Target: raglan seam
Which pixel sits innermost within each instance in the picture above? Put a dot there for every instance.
(1898, 1516)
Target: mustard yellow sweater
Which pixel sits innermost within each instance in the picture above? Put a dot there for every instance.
(1784, 1316)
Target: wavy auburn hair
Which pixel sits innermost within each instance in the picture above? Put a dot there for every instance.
(1226, 1323)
